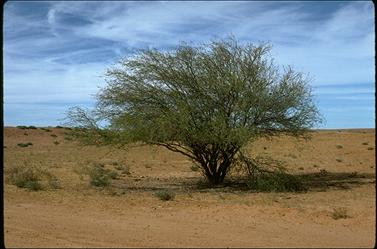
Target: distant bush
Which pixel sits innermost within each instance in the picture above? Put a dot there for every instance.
(53, 135)
(23, 145)
(24, 127)
(339, 160)
(339, 213)
(45, 129)
(365, 143)
(165, 195)
(370, 148)
(56, 142)
(339, 146)
(59, 127)
(31, 177)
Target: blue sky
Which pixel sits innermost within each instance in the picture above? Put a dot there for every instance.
(55, 53)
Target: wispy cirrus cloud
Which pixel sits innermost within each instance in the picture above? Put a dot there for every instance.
(55, 52)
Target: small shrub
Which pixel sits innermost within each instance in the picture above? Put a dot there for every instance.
(315, 166)
(32, 127)
(56, 142)
(194, 167)
(53, 135)
(339, 213)
(301, 168)
(24, 145)
(165, 195)
(339, 160)
(25, 134)
(45, 129)
(31, 177)
(353, 174)
(323, 172)
(23, 127)
(339, 146)
(99, 177)
(68, 138)
(59, 127)
(124, 169)
(265, 148)
(112, 174)
(365, 143)
(276, 182)
(370, 148)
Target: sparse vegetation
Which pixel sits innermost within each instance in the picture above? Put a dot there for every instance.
(339, 146)
(339, 213)
(45, 129)
(365, 143)
(370, 148)
(23, 127)
(276, 182)
(99, 176)
(165, 195)
(31, 177)
(56, 142)
(339, 160)
(24, 145)
(53, 135)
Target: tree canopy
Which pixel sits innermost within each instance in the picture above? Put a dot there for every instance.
(206, 102)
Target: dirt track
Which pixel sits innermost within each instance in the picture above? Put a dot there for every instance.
(79, 216)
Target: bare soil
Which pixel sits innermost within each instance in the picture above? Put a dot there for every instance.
(338, 165)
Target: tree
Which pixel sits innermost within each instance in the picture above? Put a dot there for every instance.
(205, 102)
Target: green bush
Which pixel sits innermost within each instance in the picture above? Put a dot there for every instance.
(276, 182)
(165, 195)
(23, 127)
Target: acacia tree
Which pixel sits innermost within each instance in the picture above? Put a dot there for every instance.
(205, 102)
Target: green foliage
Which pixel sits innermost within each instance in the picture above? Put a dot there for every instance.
(205, 102)
(165, 195)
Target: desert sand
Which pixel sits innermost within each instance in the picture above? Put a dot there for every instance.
(340, 165)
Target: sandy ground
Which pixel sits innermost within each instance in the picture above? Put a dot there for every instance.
(127, 214)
